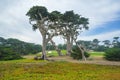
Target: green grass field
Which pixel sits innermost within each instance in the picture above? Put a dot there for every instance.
(96, 54)
(42, 70)
(29, 69)
(53, 53)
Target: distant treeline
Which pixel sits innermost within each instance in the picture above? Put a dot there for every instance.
(20, 47)
(24, 48)
(98, 45)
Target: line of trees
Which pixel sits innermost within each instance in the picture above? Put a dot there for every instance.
(114, 43)
(20, 47)
(98, 45)
(25, 48)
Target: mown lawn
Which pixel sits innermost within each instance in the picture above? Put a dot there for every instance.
(43, 70)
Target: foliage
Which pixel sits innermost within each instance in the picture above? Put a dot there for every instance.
(54, 23)
(50, 47)
(116, 42)
(62, 46)
(86, 44)
(113, 54)
(107, 43)
(54, 16)
(94, 44)
(8, 54)
(73, 25)
(20, 47)
(33, 13)
(47, 23)
(57, 71)
(76, 53)
(100, 48)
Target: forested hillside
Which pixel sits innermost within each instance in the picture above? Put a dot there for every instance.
(20, 47)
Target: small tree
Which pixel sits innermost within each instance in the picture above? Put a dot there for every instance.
(116, 42)
(95, 43)
(107, 43)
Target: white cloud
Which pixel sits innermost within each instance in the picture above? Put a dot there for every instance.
(98, 11)
(30, 36)
(14, 22)
(103, 36)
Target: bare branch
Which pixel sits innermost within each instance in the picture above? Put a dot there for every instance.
(40, 15)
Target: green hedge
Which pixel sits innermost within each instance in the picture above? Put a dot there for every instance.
(112, 54)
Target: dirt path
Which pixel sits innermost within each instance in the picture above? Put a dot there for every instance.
(92, 60)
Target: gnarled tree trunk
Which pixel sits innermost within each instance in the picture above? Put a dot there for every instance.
(82, 51)
(68, 46)
(44, 48)
(56, 47)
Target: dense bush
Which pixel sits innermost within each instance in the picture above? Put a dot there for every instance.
(8, 54)
(112, 54)
(76, 53)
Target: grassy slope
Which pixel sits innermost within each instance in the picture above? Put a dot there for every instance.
(25, 70)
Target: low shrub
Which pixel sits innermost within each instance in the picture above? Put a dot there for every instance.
(112, 54)
(76, 53)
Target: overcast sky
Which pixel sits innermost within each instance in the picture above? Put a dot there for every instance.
(104, 18)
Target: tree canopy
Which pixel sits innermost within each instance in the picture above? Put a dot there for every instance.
(54, 23)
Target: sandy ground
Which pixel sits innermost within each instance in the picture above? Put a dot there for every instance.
(91, 60)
